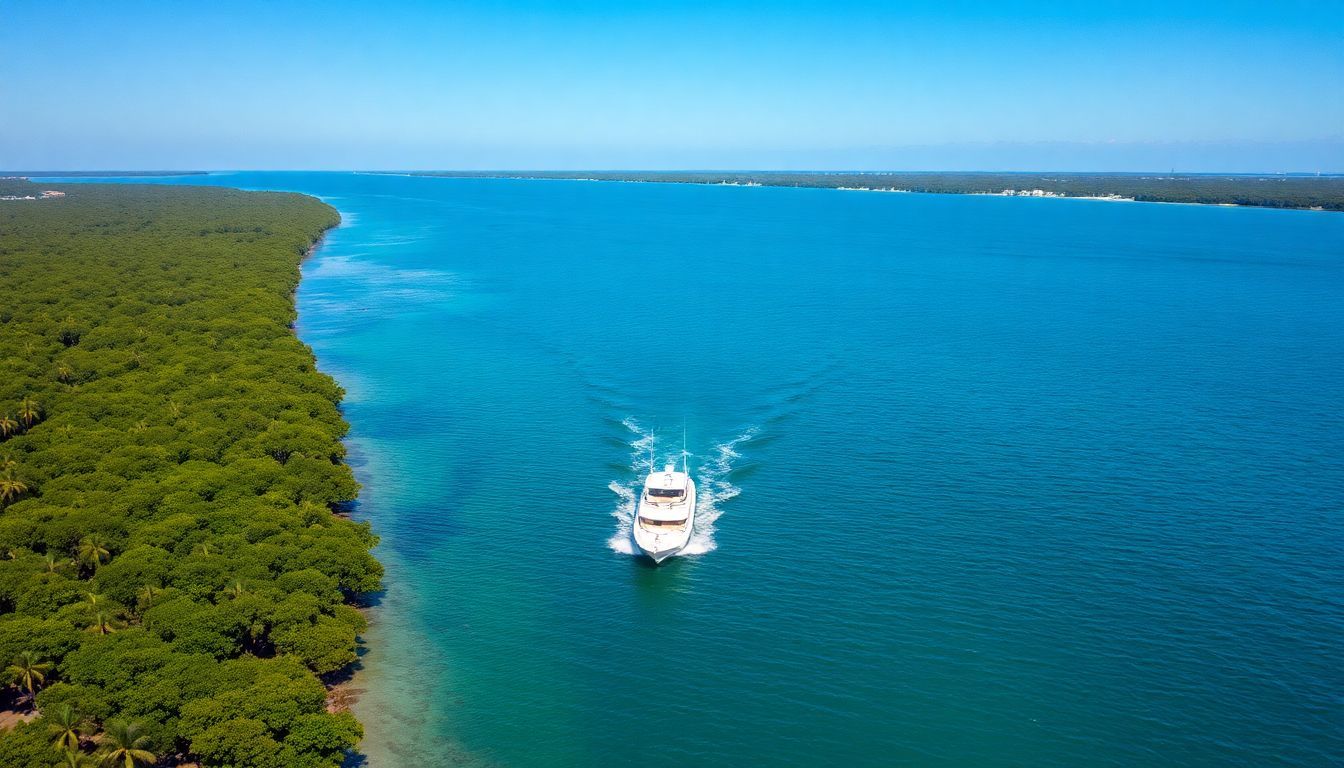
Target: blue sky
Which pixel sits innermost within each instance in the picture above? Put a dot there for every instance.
(1196, 86)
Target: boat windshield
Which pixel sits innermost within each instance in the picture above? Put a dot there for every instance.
(647, 523)
(667, 493)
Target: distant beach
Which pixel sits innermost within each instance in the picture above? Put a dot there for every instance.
(1325, 193)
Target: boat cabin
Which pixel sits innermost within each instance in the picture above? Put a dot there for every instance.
(666, 487)
(663, 505)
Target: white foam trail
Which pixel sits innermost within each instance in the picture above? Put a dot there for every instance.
(640, 445)
(627, 492)
(712, 490)
(625, 519)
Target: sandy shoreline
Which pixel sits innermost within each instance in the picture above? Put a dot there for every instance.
(342, 696)
(840, 188)
(343, 690)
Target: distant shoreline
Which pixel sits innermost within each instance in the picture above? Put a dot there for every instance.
(95, 174)
(1320, 193)
(1290, 192)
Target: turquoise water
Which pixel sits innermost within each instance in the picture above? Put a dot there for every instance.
(988, 481)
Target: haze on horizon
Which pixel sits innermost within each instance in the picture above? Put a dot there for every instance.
(1107, 86)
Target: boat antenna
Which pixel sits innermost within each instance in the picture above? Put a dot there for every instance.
(685, 454)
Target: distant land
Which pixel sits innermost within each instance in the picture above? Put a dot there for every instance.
(1260, 190)
(97, 174)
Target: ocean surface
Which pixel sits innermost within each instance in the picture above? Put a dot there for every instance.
(985, 481)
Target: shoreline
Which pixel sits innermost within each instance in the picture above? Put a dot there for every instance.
(1333, 202)
(340, 695)
(345, 688)
(394, 704)
(843, 183)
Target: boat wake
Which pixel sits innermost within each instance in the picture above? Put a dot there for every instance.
(713, 487)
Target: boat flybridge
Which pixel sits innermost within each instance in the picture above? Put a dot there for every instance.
(665, 513)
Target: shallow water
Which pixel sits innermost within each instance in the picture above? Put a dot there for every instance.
(988, 481)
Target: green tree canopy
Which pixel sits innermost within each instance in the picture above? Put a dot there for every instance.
(171, 570)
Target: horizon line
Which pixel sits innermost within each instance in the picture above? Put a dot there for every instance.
(482, 171)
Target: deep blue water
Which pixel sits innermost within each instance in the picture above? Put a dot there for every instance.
(991, 481)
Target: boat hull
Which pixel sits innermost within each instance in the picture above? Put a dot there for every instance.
(658, 547)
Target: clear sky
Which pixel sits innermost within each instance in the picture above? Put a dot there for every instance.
(1197, 86)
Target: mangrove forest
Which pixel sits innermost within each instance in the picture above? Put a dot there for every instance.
(177, 579)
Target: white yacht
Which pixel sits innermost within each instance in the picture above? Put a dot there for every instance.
(665, 513)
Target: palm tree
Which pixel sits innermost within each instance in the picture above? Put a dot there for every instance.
(28, 672)
(104, 622)
(124, 745)
(203, 549)
(64, 373)
(147, 595)
(29, 411)
(54, 564)
(11, 487)
(93, 551)
(235, 590)
(8, 425)
(68, 726)
(75, 759)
